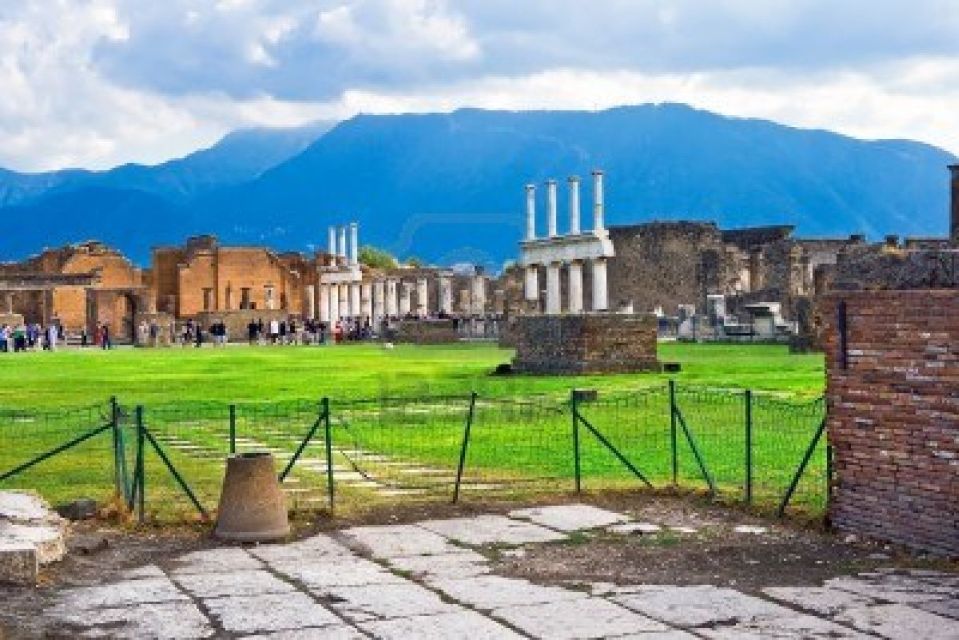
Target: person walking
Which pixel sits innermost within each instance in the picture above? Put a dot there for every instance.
(105, 343)
(52, 337)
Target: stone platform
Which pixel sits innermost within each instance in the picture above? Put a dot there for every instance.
(436, 579)
(585, 343)
(31, 535)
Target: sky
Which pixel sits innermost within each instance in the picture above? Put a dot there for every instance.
(96, 83)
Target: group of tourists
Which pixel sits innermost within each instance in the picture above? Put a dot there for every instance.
(30, 337)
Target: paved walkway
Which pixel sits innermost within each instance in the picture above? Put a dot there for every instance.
(430, 580)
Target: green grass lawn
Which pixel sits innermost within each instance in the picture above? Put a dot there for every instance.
(521, 434)
(265, 374)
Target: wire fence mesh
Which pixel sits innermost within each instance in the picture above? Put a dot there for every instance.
(427, 447)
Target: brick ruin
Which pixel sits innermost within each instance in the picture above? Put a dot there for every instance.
(82, 285)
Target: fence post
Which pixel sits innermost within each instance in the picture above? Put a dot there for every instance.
(114, 425)
(574, 404)
(466, 440)
(829, 472)
(141, 464)
(748, 397)
(328, 437)
(232, 429)
(673, 443)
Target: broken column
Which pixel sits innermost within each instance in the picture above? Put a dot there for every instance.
(342, 248)
(600, 293)
(551, 226)
(446, 295)
(422, 297)
(406, 295)
(324, 303)
(331, 247)
(574, 225)
(532, 283)
(354, 244)
(553, 302)
(575, 303)
(598, 207)
(530, 212)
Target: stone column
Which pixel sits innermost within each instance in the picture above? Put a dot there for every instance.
(532, 283)
(600, 293)
(324, 303)
(406, 295)
(479, 295)
(598, 205)
(422, 297)
(551, 208)
(391, 308)
(530, 212)
(379, 300)
(354, 244)
(366, 300)
(574, 226)
(331, 248)
(446, 294)
(334, 302)
(576, 286)
(344, 293)
(355, 299)
(342, 249)
(553, 302)
(310, 291)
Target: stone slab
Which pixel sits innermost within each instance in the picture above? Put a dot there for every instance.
(698, 606)
(570, 517)
(571, 620)
(270, 612)
(18, 563)
(901, 621)
(903, 590)
(798, 627)
(214, 560)
(123, 594)
(948, 608)
(246, 582)
(380, 601)
(459, 624)
(400, 540)
(346, 572)
(162, 621)
(23, 507)
(495, 592)
(457, 565)
(490, 529)
(822, 600)
(46, 539)
(309, 548)
(336, 632)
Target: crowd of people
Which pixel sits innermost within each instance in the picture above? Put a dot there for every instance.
(274, 331)
(30, 337)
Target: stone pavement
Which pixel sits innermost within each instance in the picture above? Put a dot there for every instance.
(433, 579)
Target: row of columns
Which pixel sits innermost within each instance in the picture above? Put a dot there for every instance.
(575, 228)
(597, 266)
(339, 247)
(387, 297)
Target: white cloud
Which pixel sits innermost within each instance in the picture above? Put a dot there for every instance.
(100, 82)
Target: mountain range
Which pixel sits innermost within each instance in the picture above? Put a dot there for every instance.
(448, 188)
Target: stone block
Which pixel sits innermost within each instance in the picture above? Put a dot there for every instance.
(590, 343)
(18, 563)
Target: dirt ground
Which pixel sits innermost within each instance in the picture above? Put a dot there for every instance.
(785, 553)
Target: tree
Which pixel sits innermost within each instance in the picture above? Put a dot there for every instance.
(377, 258)
(413, 261)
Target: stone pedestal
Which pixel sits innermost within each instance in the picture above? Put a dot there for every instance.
(591, 343)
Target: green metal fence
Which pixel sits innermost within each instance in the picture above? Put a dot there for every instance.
(166, 462)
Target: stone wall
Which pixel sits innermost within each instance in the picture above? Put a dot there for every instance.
(591, 343)
(425, 332)
(237, 322)
(893, 414)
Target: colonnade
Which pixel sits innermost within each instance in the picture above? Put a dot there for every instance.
(562, 250)
(390, 297)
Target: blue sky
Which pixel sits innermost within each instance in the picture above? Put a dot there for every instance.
(95, 83)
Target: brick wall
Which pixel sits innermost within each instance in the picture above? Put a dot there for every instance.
(426, 332)
(894, 415)
(591, 343)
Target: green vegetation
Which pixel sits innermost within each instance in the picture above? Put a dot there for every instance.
(520, 438)
(271, 374)
(376, 258)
